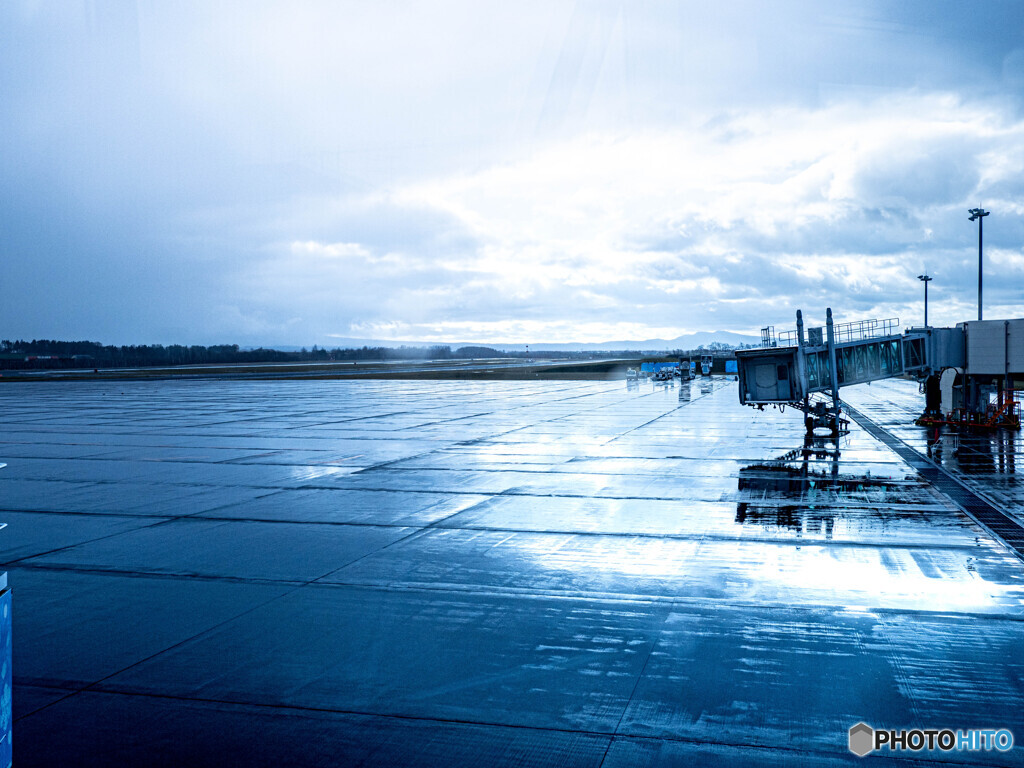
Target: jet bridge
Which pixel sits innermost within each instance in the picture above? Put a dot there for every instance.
(806, 371)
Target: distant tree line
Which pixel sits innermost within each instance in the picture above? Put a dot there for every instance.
(49, 353)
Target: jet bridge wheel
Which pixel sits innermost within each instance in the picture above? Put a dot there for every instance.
(835, 425)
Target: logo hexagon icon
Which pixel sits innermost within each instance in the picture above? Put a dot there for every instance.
(862, 739)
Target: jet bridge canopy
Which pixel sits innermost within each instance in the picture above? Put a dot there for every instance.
(768, 376)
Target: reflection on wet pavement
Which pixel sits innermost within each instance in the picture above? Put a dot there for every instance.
(985, 461)
(520, 573)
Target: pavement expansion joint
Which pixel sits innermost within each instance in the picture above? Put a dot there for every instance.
(1000, 525)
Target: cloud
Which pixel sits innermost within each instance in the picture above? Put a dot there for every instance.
(584, 171)
(767, 210)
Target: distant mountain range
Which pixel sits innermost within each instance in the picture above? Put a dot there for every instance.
(686, 341)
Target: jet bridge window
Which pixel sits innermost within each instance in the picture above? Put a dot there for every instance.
(913, 352)
(783, 373)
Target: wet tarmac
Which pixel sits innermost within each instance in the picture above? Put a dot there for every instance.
(488, 573)
(985, 461)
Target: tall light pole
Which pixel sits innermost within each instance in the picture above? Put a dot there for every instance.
(979, 214)
(925, 279)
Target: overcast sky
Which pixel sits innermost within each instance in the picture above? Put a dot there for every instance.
(303, 172)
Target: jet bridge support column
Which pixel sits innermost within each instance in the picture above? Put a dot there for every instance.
(932, 397)
(801, 367)
(833, 371)
(1005, 386)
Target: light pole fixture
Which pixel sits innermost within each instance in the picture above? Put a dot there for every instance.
(979, 214)
(925, 279)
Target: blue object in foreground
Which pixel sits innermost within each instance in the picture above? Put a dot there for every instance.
(5, 673)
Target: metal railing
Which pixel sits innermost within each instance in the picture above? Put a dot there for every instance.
(787, 338)
(856, 330)
(866, 329)
(770, 339)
